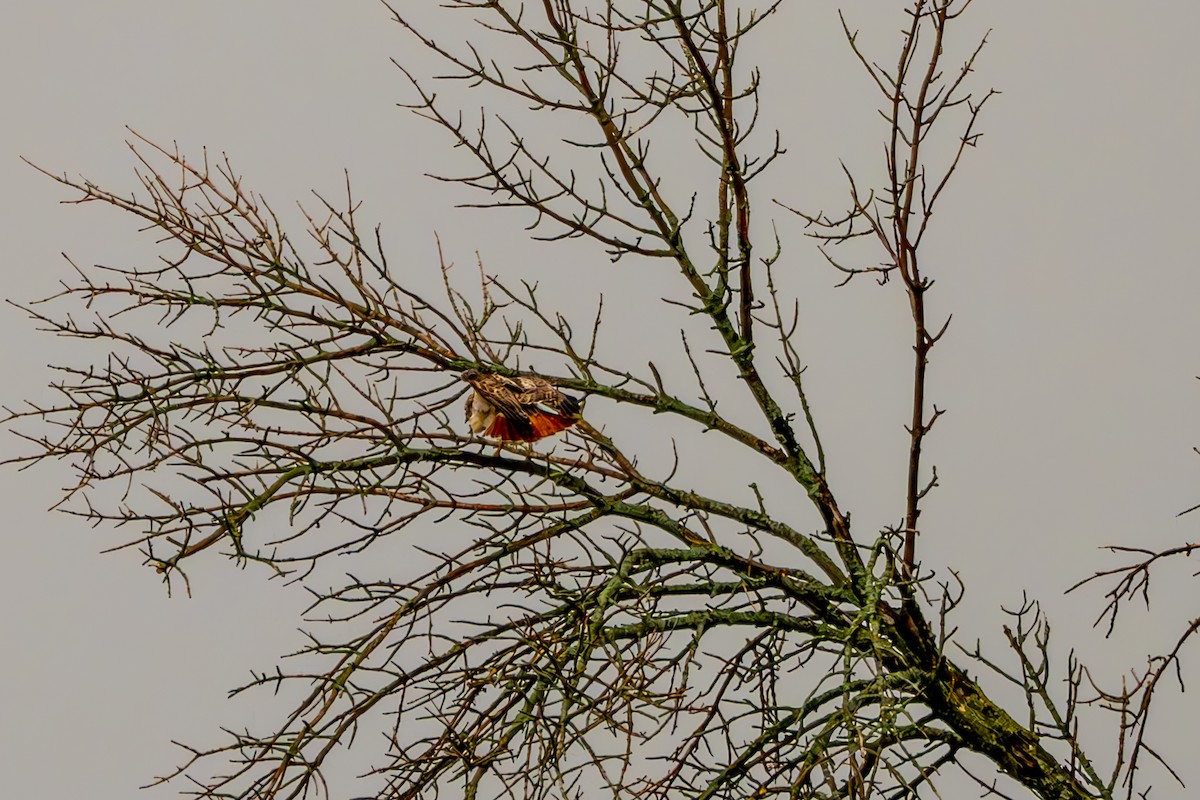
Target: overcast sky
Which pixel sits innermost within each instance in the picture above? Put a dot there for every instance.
(1066, 254)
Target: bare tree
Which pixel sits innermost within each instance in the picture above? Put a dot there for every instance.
(284, 399)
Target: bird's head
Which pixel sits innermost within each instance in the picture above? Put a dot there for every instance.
(470, 376)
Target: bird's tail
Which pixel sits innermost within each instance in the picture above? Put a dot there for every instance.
(541, 424)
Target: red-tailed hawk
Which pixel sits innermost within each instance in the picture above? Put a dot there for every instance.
(523, 407)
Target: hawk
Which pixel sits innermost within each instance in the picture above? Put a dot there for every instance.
(523, 407)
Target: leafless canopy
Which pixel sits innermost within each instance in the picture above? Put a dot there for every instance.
(606, 628)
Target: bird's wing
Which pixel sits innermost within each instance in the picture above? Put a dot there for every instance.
(504, 394)
(535, 391)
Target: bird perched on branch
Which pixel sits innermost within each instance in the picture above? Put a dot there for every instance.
(522, 407)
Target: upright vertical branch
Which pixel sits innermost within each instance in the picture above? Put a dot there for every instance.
(732, 176)
(916, 94)
(903, 190)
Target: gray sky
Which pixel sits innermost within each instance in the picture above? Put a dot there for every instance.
(1065, 253)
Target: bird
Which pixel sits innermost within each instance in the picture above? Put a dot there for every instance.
(521, 408)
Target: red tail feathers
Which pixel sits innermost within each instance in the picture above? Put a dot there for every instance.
(541, 425)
